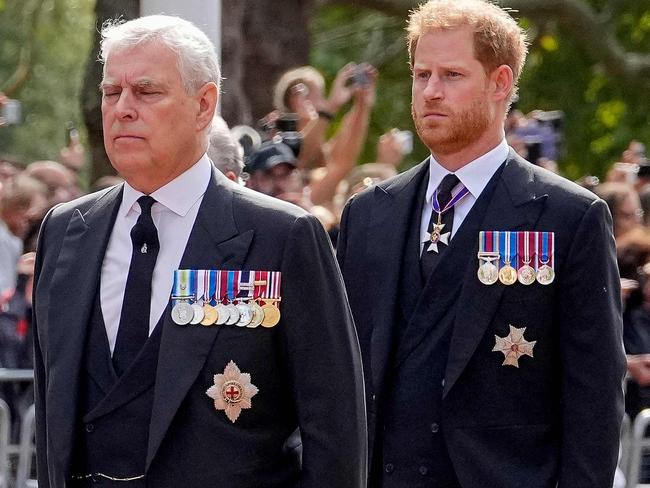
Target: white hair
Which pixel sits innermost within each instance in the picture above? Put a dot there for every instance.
(224, 150)
(197, 58)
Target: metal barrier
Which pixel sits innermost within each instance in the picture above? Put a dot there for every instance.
(5, 429)
(26, 450)
(638, 444)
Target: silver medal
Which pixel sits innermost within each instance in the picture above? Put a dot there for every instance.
(182, 313)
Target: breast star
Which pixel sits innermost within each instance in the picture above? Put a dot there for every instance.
(513, 346)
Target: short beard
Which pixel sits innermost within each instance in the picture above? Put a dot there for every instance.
(468, 127)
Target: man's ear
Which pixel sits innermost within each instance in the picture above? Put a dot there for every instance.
(207, 96)
(501, 83)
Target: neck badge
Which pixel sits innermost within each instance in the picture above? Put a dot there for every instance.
(436, 236)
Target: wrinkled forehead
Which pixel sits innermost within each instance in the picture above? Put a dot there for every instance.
(150, 60)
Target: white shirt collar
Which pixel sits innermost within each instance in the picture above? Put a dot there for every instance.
(179, 195)
(475, 175)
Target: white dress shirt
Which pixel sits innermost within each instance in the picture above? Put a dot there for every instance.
(475, 175)
(174, 213)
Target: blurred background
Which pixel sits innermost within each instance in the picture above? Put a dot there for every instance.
(589, 66)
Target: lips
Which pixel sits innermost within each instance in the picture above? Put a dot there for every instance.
(127, 137)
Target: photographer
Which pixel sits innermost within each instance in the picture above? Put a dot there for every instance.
(302, 91)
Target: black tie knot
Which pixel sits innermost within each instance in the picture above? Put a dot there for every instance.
(144, 234)
(446, 186)
(146, 202)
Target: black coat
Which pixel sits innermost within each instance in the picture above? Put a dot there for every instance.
(554, 420)
(307, 368)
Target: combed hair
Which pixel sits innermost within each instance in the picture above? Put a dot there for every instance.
(498, 40)
(224, 151)
(197, 58)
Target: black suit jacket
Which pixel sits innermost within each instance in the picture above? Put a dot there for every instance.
(307, 368)
(555, 419)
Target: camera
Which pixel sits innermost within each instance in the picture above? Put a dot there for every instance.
(360, 76)
(11, 112)
(283, 129)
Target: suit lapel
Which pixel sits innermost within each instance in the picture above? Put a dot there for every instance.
(391, 215)
(73, 290)
(514, 206)
(214, 243)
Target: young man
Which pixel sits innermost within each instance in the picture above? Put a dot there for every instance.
(484, 289)
(128, 393)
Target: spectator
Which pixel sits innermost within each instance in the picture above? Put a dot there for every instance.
(624, 205)
(22, 201)
(60, 182)
(302, 91)
(273, 170)
(224, 152)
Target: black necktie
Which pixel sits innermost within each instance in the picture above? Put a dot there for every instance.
(429, 259)
(134, 319)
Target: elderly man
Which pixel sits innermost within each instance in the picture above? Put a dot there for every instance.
(225, 152)
(185, 326)
(484, 289)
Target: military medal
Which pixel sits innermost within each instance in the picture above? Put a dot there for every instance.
(545, 267)
(246, 279)
(210, 314)
(232, 283)
(258, 313)
(197, 306)
(526, 273)
(513, 346)
(182, 312)
(222, 311)
(232, 391)
(271, 296)
(488, 272)
(507, 249)
(436, 236)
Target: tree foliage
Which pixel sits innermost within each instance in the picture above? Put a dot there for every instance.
(43, 48)
(589, 58)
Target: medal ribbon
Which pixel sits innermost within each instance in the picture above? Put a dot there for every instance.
(200, 284)
(548, 248)
(181, 284)
(246, 284)
(223, 285)
(233, 285)
(525, 242)
(264, 289)
(454, 200)
(275, 284)
(209, 286)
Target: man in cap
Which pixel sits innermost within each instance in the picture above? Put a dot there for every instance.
(273, 170)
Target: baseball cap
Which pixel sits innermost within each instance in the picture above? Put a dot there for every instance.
(268, 155)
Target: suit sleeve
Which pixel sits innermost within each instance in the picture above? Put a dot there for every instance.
(593, 361)
(324, 361)
(40, 378)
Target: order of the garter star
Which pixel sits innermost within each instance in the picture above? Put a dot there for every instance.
(232, 391)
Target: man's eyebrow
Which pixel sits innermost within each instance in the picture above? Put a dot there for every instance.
(142, 83)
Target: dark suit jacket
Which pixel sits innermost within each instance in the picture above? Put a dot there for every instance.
(555, 419)
(307, 368)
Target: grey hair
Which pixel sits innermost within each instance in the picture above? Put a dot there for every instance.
(197, 58)
(224, 151)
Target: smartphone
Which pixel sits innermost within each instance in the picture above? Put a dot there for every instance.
(360, 76)
(405, 139)
(11, 112)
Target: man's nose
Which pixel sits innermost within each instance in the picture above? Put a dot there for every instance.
(433, 90)
(125, 106)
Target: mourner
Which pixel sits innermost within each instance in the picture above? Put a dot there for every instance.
(484, 289)
(185, 326)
